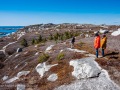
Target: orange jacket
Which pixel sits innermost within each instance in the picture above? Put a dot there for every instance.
(97, 42)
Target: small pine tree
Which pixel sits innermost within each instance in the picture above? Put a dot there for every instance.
(36, 41)
(51, 37)
(33, 41)
(44, 40)
(40, 38)
(66, 35)
(24, 42)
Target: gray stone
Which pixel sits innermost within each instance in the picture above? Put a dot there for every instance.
(19, 50)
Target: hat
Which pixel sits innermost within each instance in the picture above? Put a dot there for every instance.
(96, 34)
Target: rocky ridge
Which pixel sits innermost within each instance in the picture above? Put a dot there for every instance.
(26, 70)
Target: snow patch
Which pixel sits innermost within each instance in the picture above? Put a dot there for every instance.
(52, 77)
(5, 78)
(76, 50)
(85, 68)
(25, 73)
(42, 68)
(116, 33)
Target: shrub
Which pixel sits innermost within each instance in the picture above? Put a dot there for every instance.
(81, 43)
(36, 41)
(44, 40)
(56, 36)
(33, 41)
(24, 42)
(51, 37)
(60, 56)
(40, 39)
(44, 57)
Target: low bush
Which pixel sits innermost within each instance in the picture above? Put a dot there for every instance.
(44, 57)
(60, 56)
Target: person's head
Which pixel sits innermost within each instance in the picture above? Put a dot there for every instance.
(96, 34)
(104, 35)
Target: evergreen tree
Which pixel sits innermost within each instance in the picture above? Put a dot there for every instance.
(24, 42)
(33, 41)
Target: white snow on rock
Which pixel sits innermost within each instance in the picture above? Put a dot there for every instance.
(42, 68)
(52, 77)
(20, 87)
(5, 78)
(12, 79)
(116, 33)
(23, 73)
(49, 48)
(76, 50)
(85, 68)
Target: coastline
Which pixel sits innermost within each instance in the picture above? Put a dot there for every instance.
(7, 30)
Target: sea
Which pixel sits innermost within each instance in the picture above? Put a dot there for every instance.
(7, 30)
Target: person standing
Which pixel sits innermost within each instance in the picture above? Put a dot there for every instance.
(72, 42)
(97, 43)
(103, 44)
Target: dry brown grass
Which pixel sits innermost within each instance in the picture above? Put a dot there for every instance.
(63, 71)
(86, 47)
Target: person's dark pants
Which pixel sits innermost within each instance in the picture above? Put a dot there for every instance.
(97, 52)
(103, 52)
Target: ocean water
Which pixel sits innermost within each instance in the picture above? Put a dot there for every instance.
(7, 30)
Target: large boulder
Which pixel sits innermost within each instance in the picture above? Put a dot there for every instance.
(12, 48)
(85, 68)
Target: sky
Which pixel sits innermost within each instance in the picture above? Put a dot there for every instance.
(29, 12)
